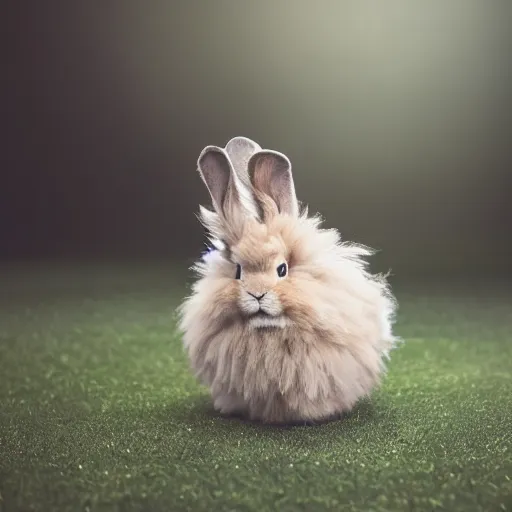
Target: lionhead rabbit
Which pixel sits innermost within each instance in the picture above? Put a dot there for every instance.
(284, 323)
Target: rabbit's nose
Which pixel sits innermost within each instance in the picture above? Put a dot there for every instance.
(257, 297)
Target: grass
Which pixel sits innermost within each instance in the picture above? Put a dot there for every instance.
(100, 412)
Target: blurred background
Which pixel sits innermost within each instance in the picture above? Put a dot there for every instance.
(395, 115)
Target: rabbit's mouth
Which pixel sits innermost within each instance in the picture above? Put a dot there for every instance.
(261, 319)
(261, 313)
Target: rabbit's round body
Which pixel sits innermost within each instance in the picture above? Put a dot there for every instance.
(284, 324)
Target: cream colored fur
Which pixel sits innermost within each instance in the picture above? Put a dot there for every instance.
(327, 330)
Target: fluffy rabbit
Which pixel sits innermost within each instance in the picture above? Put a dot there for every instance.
(284, 323)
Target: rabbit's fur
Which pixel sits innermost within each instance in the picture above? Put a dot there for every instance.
(315, 341)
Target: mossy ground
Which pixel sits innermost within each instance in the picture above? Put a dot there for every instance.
(99, 410)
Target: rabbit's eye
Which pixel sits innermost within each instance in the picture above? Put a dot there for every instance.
(282, 270)
(238, 271)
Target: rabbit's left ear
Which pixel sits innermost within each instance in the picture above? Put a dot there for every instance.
(271, 174)
(231, 199)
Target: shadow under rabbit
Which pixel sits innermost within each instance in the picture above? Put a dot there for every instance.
(367, 411)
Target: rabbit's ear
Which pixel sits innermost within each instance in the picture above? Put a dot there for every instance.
(231, 199)
(271, 174)
(240, 150)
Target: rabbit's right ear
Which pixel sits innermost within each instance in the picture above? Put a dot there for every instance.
(231, 199)
(271, 175)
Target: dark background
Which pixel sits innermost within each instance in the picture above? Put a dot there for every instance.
(395, 115)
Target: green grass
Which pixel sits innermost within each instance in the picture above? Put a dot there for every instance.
(100, 412)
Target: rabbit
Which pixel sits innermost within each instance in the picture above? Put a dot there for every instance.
(284, 323)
